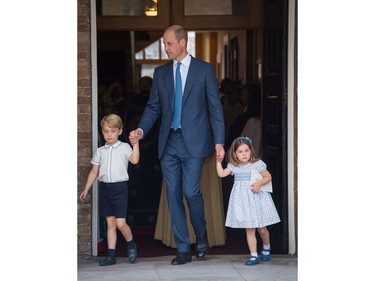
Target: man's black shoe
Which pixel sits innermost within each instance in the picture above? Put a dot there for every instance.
(201, 246)
(132, 254)
(108, 261)
(181, 258)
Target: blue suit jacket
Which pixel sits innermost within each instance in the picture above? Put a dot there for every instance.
(201, 108)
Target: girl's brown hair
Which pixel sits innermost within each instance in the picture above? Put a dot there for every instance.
(231, 153)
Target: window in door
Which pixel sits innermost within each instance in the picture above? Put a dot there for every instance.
(214, 7)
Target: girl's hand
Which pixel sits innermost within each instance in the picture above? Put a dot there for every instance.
(220, 152)
(219, 159)
(255, 187)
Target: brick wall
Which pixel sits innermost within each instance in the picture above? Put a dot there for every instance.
(84, 228)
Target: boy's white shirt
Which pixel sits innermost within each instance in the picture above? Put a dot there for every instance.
(256, 176)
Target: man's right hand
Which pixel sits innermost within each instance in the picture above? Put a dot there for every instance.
(135, 136)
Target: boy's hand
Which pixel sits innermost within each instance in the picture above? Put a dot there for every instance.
(135, 136)
(83, 195)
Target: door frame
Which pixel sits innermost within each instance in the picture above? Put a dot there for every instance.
(95, 235)
(291, 127)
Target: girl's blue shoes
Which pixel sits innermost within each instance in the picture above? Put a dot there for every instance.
(266, 255)
(252, 261)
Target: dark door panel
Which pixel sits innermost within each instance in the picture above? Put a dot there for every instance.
(275, 113)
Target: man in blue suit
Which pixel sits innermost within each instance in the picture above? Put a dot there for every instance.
(188, 130)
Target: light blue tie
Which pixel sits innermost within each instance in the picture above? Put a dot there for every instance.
(178, 99)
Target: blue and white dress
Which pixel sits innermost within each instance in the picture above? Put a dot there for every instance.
(247, 209)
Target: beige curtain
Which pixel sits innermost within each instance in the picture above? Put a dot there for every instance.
(213, 206)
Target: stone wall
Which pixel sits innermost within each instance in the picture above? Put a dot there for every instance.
(84, 114)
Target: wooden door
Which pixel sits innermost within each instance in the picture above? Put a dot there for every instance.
(275, 114)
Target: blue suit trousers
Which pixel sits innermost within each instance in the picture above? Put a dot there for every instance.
(182, 174)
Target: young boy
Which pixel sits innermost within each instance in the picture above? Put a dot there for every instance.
(110, 165)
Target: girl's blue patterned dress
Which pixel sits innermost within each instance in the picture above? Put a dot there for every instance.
(247, 209)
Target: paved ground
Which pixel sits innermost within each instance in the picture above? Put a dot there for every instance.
(213, 268)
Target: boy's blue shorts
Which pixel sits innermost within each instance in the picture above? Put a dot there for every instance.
(113, 199)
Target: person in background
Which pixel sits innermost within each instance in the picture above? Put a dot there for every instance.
(110, 165)
(145, 184)
(252, 117)
(232, 106)
(224, 88)
(136, 104)
(192, 122)
(249, 207)
(251, 101)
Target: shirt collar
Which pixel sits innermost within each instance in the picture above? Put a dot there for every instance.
(185, 62)
(114, 145)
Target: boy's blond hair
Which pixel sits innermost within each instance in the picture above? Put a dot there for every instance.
(112, 121)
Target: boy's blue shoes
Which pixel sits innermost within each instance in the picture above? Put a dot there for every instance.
(132, 254)
(252, 261)
(108, 261)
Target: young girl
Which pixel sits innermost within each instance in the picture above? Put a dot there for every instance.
(110, 165)
(249, 206)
